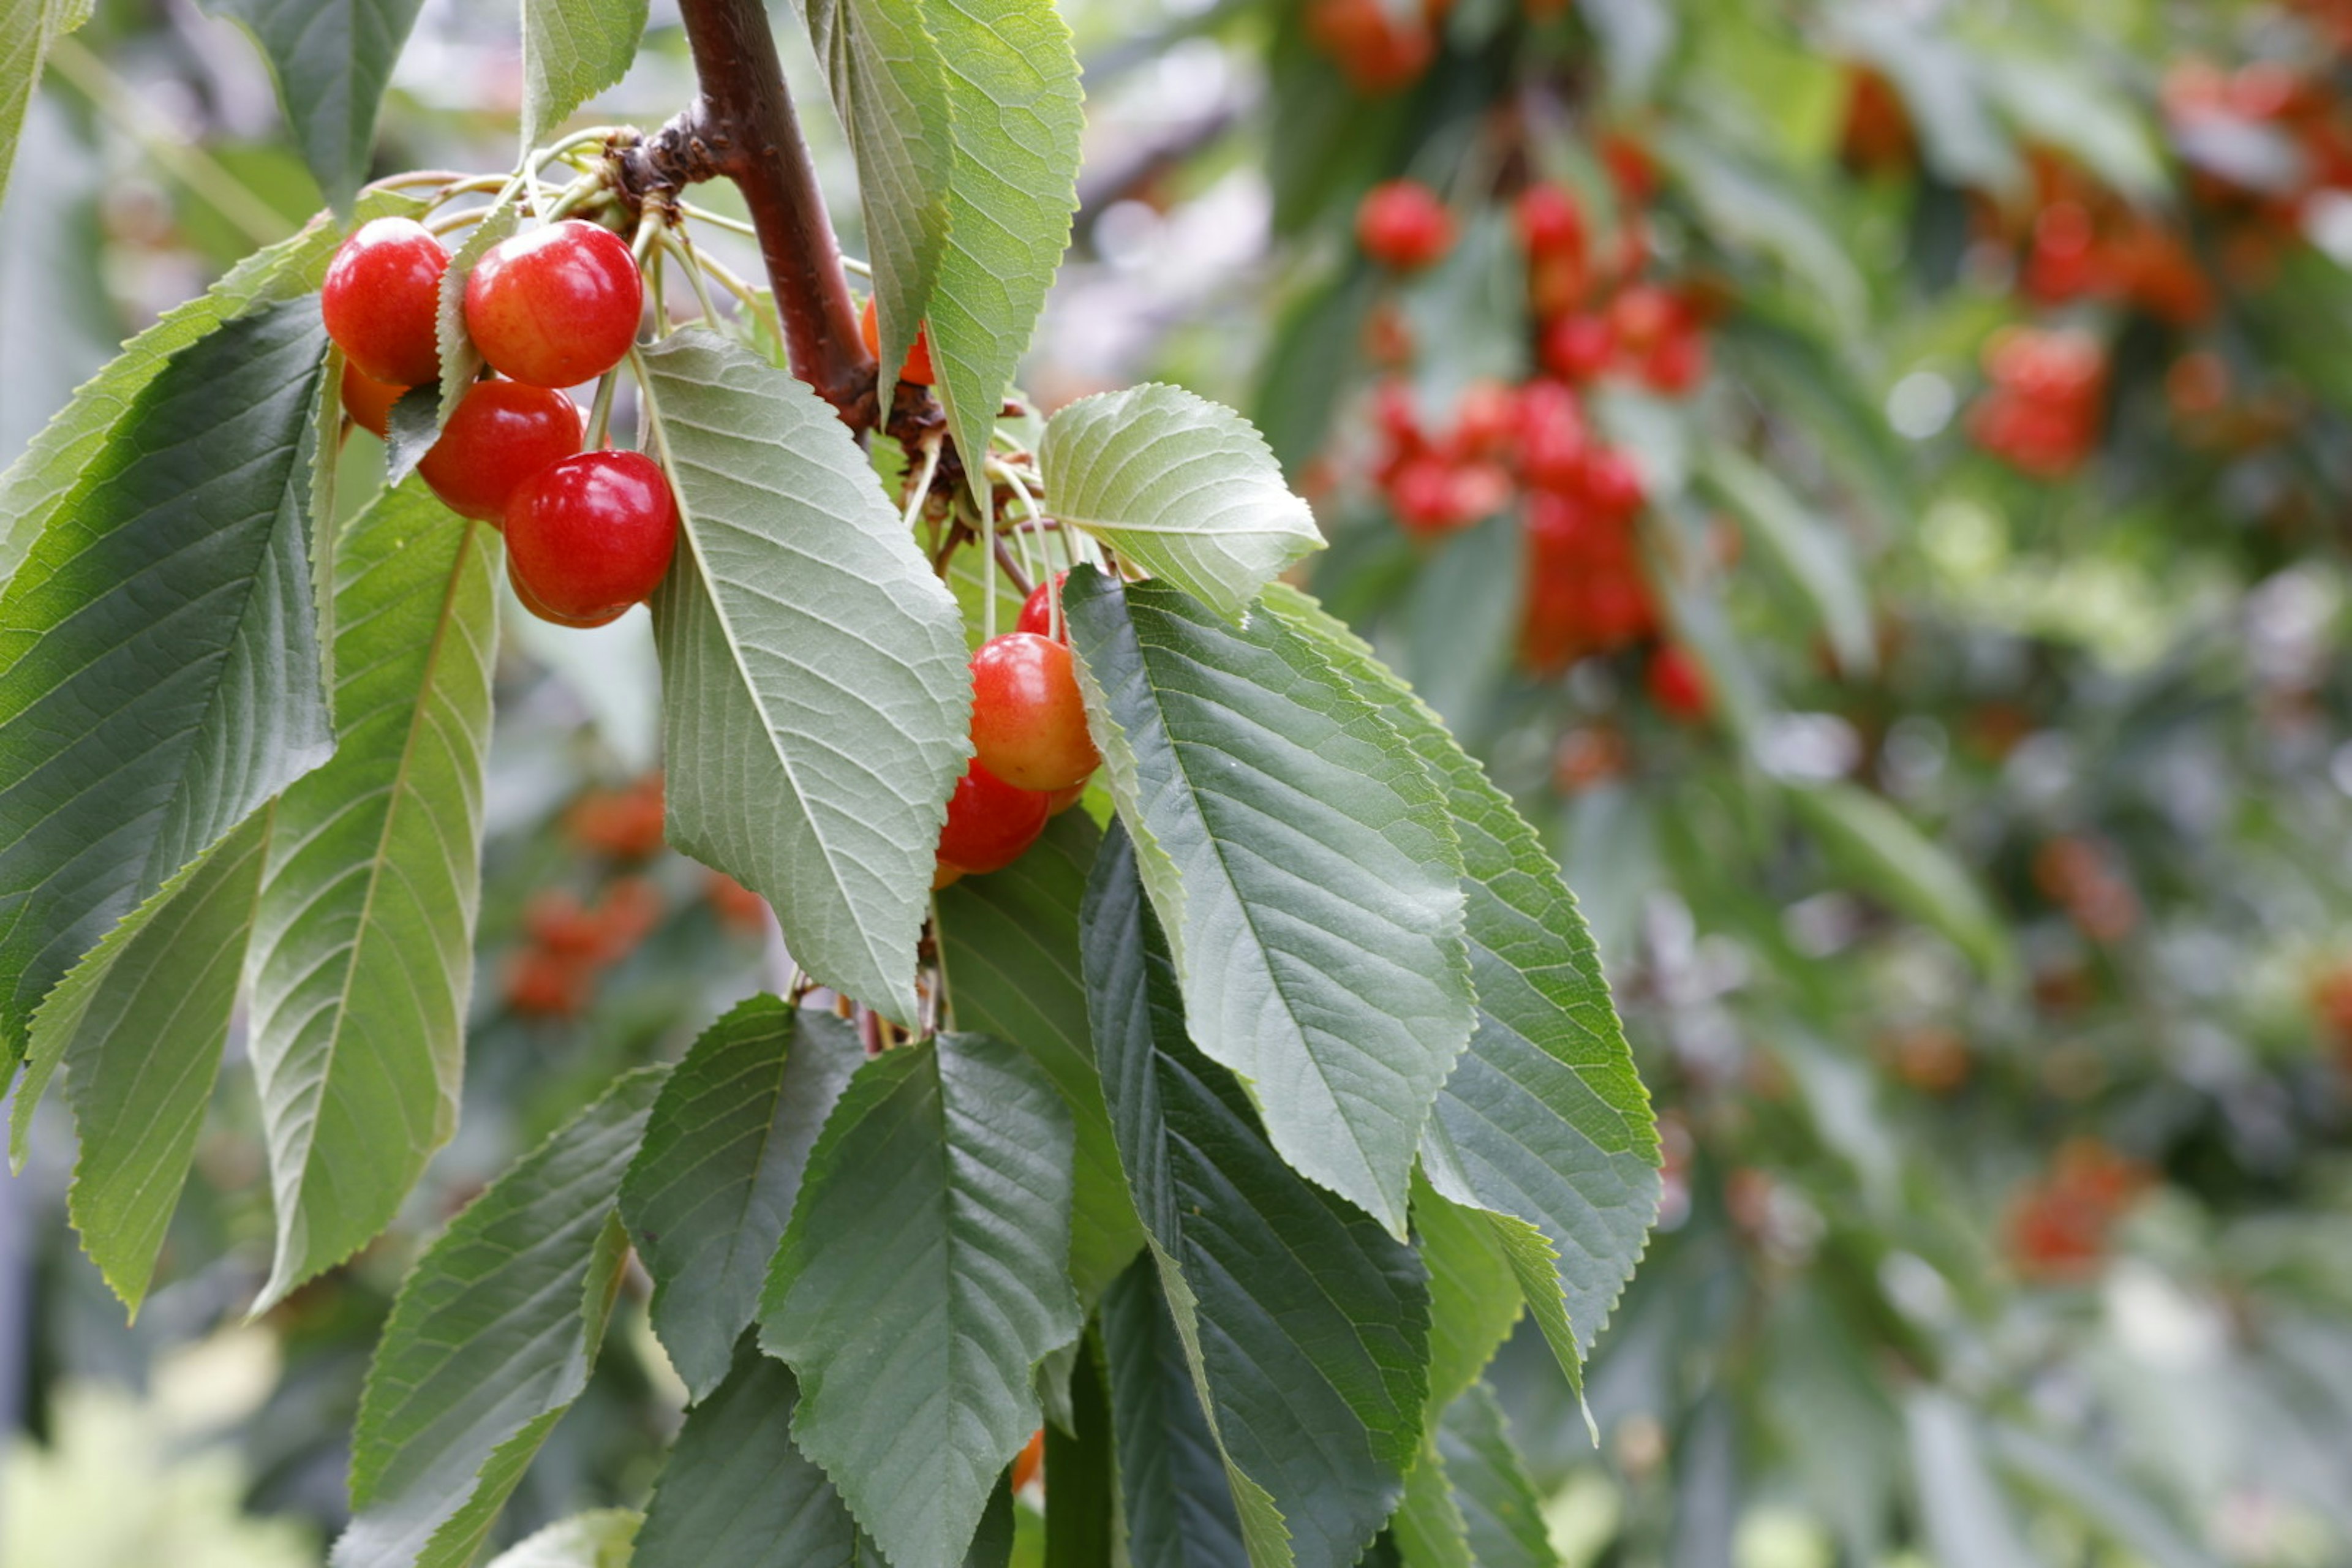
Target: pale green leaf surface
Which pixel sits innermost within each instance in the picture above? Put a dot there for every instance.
(1428, 1527)
(1473, 1293)
(159, 678)
(1183, 487)
(1877, 847)
(600, 1538)
(490, 1339)
(333, 59)
(28, 28)
(1810, 548)
(920, 1282)
(1965, 1519)
(1306, 1327)
(813, 672)
(573, 50)
(461, 362)
(709, 1196)
(362, 951)
(1176, 1502)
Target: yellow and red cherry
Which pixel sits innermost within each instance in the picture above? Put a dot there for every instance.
(918, 368)
(1061, 800)
(503, 434)
(990, 822)
(1028, 721)
(367, 400)
(557, 306)
(590, 535)
(381, 299)
(1037, 609)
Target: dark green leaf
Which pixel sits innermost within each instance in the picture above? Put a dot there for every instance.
(1079, 1514)
(1500, 1510)
(1178, 1503)
(333, 59)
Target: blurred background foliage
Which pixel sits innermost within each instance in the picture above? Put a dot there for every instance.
(1872, 479)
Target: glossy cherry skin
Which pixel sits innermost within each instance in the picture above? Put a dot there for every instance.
(1037, 609)
(990, 823)
(557, 306)
(918, 368)
(503, 434)
(367, 400)
(590, 535)
(1028, 721)
(381, 300)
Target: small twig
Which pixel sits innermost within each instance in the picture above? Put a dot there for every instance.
(1021, 580)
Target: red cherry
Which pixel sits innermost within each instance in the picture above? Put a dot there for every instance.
(1028, 721)
(503, 434)
(1037, 609)
(1402, 224)
(1612, 483)
(1550, 223)
(1677, 364)
(1552, 435)
(556, 306)
(382, 298)
(590, 535)
(367, 400)
(1579, 348)
(1060, 800)
(990, 823)
(918, 368)
(1641, 317)
(1676, 683)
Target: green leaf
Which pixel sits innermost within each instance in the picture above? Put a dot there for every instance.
(2126, 1515)
(1964, 1516)
(410, 428)
(920, 1283)
(1010, 945)
(889, 83)
(1473, 1293)
(333, 59)
(1011, 82)
(27, 29)
(597, 1539)
(1178, 1504)
(490, 1339)
(1428, 1528)
(573, 50)
(1307, 1329)
(1500, 1511)
(461, 362)
(363, 954)
(1876, 846)
(810, 663)
(158, 674)
(724, 1152)
(737, 1493)
(1183, 487)
(1305, 869)
(1081, 1518)
(1815, 555)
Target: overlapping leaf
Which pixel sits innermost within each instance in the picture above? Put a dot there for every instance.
(573, 50)
(491, 1339)
(333, 59)
(362, 948)
(920, 1282)
(813, 670)
(461, 362)
(1502, 1517)
(1178, 1504)
(1304, 866)
(1012, 83)
(158, 674)
(724, 1152)
(1010, 943)
(1305, 1326)
(1181, 487)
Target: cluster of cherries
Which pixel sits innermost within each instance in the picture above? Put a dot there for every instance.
(2059, 1225)
(588, 534)
(2042, 411)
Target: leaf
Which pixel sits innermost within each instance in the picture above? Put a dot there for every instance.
(1543, 1123)
(1010, 945)
(597, 1539)
(1945, 93)
(410, 428)
(1305, 869)
(1081, 1515)
(1428, 1528)
(2129, 1517)
(1500, 1511)
(490, 1341)
(1879, 849)
(920, 1283)
(1473, 1293)
(1809, 548)
(27, 30)
(1178, 1504)
(737, 1493)
(363, 954)
(1012, 87)
(1306, 1328)
(573, 50)
(810, 663)
(1180, 487)
(461, 362)
(1964, 1518)
(158, 675)
(333, 59)
(710, 1193)
(889, 84)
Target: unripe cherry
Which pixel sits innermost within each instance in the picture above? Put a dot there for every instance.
(990, 823)
(367, 400)
(503, 434)
(590, 535)
(1028, 719)
(556, 306)
(918, 368)
(381, 299)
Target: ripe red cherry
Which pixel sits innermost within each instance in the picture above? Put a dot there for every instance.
(556, 306)
(1037, 609)
(1612, 483)
(367, 400)
(590, 535)
(503, 434)
(990, 822)
(1676, 684)
(1550, 223)
(1402, 224)
(1579, 348)
(1028, 721)
(380, 298)
(918, 368)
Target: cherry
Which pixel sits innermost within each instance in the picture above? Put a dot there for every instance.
(990, 823)
(1550, 223)
(503, 434)
(1037, 609)
(1676, 684)
(1612, 483)
(367, 400)
(382, 298)
(1402, 224)
(1028, 721)
(1060, 800)
(1578, 348)
(590, 535)
(556, 306)
(918, 368)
